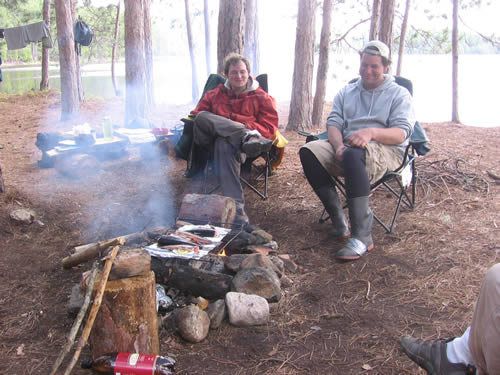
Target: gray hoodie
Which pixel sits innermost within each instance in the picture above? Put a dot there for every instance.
(387, 106)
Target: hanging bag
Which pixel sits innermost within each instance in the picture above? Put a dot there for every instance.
(83, 35)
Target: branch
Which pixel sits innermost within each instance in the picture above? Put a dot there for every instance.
(494, 42)
(338, 40)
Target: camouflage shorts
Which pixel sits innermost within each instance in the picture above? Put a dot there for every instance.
(380, 158)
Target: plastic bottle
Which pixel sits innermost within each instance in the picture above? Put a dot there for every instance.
(107, 128)
(130, 364)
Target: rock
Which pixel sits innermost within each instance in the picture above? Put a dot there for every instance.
(259, 260)
(246, 310)
(289, 264)
(233, 262)
(262, 236)
(193, 323)
(22, 215)
(279, 264)
(75, 300)
(260, 281)
(286, 282)
(216, 312)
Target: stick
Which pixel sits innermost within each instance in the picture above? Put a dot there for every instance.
(95, 309)
(78, 320)
(93, 250)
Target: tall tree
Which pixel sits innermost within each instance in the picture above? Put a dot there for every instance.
(252, 34)
(70, 103)
(44, 82)
(454, 55)
(113, 49)
(195, 92)
(386, 22)
(135, 62)
(81, 94)
(321, 75)
(231, 30)
(375, 20)
(208, 38)
(148, 54)
(402, 37)
(301, 102)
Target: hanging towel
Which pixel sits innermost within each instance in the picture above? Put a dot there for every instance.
(20, 36)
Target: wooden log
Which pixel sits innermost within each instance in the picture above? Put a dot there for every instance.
(208, 209)
(92, 250)
(186, 275)
(130, 263)
(127, 320)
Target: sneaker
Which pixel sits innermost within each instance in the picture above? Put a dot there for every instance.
(431, 356)
(255, 144)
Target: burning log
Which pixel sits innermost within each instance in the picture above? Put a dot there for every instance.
(208, 209)
(200, 277)
(90, 251)
(127, 320)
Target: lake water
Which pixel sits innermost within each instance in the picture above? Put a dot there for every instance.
(430, 74)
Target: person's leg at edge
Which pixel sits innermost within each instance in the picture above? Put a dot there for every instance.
(325, 189)
(228, 165)
(360, 214)
(484, 339)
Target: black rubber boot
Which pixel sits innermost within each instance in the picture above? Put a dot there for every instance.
(361, 218)
(330, 199)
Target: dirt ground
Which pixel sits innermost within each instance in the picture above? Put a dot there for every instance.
(336, 318)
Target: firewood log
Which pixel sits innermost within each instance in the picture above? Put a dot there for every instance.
(208, 208)
(129, 263)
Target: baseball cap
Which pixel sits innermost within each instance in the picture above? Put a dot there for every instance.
(376, 48)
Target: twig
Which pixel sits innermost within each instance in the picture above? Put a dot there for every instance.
(367, 289)
(78, 320)
(95, 308)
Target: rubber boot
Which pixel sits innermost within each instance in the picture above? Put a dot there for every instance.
(330, 199)
(361, 218)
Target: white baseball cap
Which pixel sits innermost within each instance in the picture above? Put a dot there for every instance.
(376, 48)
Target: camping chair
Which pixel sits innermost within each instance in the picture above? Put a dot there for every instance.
(200, 159)
(400, 183)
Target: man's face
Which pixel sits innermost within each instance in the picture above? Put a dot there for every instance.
(371, 71)
(238, 76)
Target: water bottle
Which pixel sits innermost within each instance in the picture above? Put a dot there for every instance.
(107, 128)
(130, 364)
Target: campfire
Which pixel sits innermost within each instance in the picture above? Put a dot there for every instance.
(192, 277)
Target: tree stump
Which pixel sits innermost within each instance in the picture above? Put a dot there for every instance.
(127, 320)
(208, 209)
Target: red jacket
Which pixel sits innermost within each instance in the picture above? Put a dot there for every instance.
(256, 108)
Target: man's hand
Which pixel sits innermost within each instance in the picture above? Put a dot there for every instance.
(361, 138)
(339, 151)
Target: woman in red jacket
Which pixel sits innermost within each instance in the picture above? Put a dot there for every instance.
(235, 120)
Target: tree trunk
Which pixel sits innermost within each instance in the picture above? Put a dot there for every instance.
(386, 22)
(2, 185)
(402, 37)
(231, 29)
(208, 39)
(195, 92)
(252, 35)
(301, 103)
(135, 62)
(127, 320)
(148, 55)
(115, 44)
(81, 94)
(321, 76)
(375, 20)
(44, 83)
(454, 68)
(70, 103)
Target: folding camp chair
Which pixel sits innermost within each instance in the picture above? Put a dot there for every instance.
(196, 157)
(400, 183)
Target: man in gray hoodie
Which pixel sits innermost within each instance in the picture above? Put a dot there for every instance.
(369, 128)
